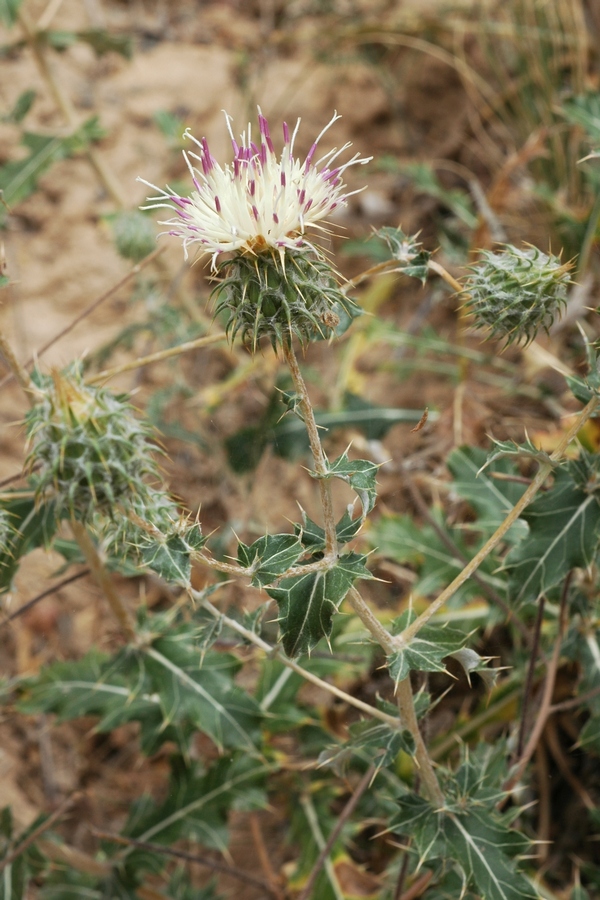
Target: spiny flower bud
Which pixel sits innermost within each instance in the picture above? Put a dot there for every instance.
(515, 293)
(280, 298)
(134, 234)
(87, 449)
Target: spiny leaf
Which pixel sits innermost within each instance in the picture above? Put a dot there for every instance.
(361, 475)
(491, 498)
(307, 603)
(588, 386)
(270, 556)
(425, 651)
(564, 527)
(313, 536)
(171, 558)
(510, 449)
(378, 742)
(479, 849)
(471, 661)
(206, 696)
(196, 806)
(476, 841)
(409, 543)
(412, 259)
(24, 525)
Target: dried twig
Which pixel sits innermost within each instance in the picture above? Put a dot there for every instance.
(545, 705)
(87, 311)
(335, 832)
(216, 866)
(530, 671)
(51, 590)
(35, 834)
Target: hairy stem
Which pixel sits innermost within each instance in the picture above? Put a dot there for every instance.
(406, 707)
(371, 622)
(103, 578)
(545, 470)
(319, 458)
(274, 653)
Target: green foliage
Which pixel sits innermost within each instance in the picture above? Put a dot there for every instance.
(458, 201)
(8, 11)
(270, 556)
(308, 602)
(164, 685)
(313, 536)
(287, 435)
(375, 741)
(584, 110)
(564, 529)
(431, 552)
(18, 179)
(425, 651)
(468, 833)
(360, 474)
(588, 386)
(99, 39)
(491, 498)
(514, 294)
(27, 861)
(24, 525)
(412, 259)
(20, 109)
(196, 806)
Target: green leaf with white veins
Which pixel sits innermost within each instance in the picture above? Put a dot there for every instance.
(307, 603)
(477, 842)
(361, 475)
(270, 556)
(564, 527)
(425, 651)
(491, 498)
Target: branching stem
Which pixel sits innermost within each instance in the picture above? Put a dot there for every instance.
(406, 707)
(274, 653)
(319, 458)
(545, 469)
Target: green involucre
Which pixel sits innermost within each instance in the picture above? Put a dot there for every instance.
(266, 295)
(87, 449)
(515, 293)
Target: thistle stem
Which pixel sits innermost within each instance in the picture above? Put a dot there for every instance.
(274, 653)
(158, 357)
(545, 469)
(319, 458)
(371, 622)
(103, 578)
(406, 707)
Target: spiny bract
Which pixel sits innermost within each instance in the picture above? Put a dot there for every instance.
(515, 293)
(264, 297)
(88, 451)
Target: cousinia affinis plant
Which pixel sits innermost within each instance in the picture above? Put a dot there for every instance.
(92, 463)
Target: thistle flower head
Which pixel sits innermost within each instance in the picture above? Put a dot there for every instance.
(517, 293)
(87, 451)
(260, 201)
